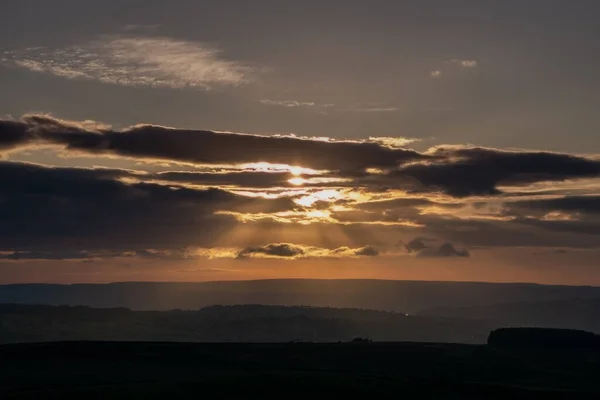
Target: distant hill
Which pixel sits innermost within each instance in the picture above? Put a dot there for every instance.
(577, 313)
(247, 323)
(400, 296)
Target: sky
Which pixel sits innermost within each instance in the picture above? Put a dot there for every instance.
(146, 140)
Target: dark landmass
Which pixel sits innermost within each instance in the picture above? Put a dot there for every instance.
(544, 338)
(400, 296)
(149, 370)
(247, 323)
(576, 313)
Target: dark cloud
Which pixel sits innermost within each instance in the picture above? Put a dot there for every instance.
(465, 171)
(171, 254)
(48, 255)
(568, 214)
(385, 211)
(445, 250)
(289, 250)
(585, 227)
(567, 204)
(68, 210)
(421, 249)
(151, 215)
(454, 170)
(255, 179)
(367, 251)
(473, 171)
(13, 134)
(207, 147)
(91, 208)
(273, 249)
(517, 232)
(416, 244)
(404, 202)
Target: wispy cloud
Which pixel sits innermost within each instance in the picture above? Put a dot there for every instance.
(325, 107)
(136, 61)
(140, 27)
(394, 142)
(292, 103)
(454, 64)
(465, 63)
(372, 109)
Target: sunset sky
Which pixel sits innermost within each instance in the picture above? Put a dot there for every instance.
(220, 139)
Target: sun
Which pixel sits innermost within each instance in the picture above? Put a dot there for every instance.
(296, 171)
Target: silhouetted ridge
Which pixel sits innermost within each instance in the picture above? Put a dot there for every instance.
(543, 337)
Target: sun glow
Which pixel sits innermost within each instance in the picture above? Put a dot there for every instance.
(297, 181)
(319, 214)
(329, 195)
(296, 171)
(269, 167)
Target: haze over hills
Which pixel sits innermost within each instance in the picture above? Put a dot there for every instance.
(244, 323)
(575, 313)
(400, 296)
(263, 323)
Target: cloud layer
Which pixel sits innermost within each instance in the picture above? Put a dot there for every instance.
(251, 196)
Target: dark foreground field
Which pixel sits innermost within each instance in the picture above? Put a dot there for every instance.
(127, 370)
